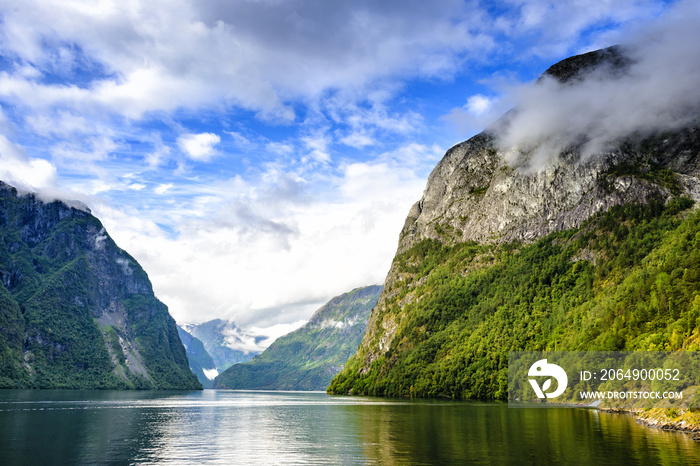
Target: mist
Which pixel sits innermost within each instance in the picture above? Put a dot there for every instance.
(659, 91)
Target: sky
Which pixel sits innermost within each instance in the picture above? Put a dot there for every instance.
(658, 91)
(258, 157)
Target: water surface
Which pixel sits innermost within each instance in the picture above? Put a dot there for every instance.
(242, 427)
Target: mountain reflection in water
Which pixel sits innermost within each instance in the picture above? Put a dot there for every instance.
(245, 427)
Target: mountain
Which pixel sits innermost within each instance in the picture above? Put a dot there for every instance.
(76, 311)
(309, 357)
(590, 247)
(220, 337)
(200, 362)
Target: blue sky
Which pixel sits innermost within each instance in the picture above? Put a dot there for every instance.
(259, 157)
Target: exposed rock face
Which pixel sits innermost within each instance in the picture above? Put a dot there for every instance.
(87, 316)
(475, 194)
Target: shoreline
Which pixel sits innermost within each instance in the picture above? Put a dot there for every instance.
(664, 415)
(685, 421)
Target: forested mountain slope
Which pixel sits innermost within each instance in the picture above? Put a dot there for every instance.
(583, 251)
(76, 311)
(309, 357)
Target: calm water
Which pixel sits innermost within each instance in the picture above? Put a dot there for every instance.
(233, 427)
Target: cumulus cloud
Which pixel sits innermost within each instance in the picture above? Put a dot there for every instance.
(658, 91)
(134, 59)
(21, 171)
(200, 147)
(257, 339)
(273, 249)
(358, 140)
(163, 188)
(552, 27)
(479, 104)
(190, 53)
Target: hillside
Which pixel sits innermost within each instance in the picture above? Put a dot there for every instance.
(582, 251)
(76, 311)
(309, 357)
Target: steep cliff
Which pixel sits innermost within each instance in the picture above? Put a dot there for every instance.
(309, 357)
(76, 311)
(503, 254)
(201, 363)
(485, 193)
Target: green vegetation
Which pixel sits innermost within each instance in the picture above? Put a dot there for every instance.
(652, 173)
(308, 358)
(628, 279)
(61, 274)
(115, 345)
(478, 191)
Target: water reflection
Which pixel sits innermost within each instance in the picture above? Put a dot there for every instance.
(492, 433)
(226, 427)
(62, 427)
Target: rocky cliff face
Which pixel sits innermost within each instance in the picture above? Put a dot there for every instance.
(78, 311)
(480, 192)
(484, 193)
(201, 363)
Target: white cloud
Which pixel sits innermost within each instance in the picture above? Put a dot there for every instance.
(199, 147)
(243, 53)
(32, 174)
(280, 148)
(162, 55)
(553, 27)
(63, 123)
(239, 139)
(273, 249)
(126, 267)
(155, 158)
(91, 150)
(658, 92)
(257, 339)
(358, 140)
(481, 111)
(163, 188)
(273, 332)
(318, 148)
(479, 104)
(329, 323)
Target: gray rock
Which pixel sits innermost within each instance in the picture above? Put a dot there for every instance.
(482, 193)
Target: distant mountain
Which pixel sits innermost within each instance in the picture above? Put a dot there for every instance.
(309, 357)
(200, 361)
(76, 311)
(220, 337)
